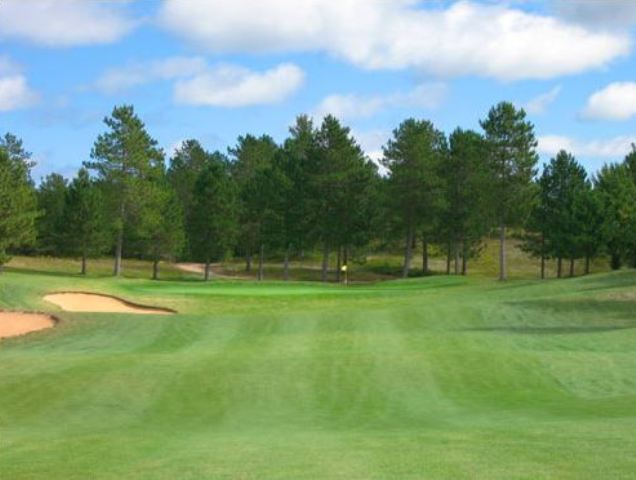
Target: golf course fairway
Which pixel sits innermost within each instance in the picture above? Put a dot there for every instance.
(433, 378)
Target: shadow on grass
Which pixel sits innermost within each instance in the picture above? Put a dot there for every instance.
(556, 330)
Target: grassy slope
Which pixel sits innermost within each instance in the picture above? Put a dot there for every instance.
(432, 378)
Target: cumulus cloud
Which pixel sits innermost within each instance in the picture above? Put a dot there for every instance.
(63, 23)
(612, 148)
(15, 92)
(234, 86)
(347, 107)
(372, 141)
(617, 101)
(490, 40)
(541, 102)
(140, 73)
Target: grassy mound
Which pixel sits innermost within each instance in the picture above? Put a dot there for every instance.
(440, 377)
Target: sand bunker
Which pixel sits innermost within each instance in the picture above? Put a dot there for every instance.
(13, 324)
(95, 303)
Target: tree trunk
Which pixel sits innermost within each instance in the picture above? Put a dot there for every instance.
(345, 261)
(155, 269)
(542, 256)
(206, 273)
(448, 258)
(248, 261)
(120, 240)
(424, 256)
(559, 267)
(83, 272)
(407, 252)
(261, 256)
(503, 275)
(338, 264)
(325, 262)
(542, 266)
(456, 258)
(587, 265)
(286, 265)
(118, 252)
(464, 262)
(571, 267)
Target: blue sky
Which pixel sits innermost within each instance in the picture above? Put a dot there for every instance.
(212, 69)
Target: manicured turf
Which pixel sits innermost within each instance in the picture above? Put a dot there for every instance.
(430, 378)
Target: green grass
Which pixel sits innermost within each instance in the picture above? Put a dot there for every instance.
(440, 377)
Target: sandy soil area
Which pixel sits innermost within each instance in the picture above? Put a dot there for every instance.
(13, 324)
(215, 268)
(95, 303)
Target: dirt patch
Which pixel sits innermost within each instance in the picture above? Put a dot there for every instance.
(14, 324)
(215, 268)
(97, 303)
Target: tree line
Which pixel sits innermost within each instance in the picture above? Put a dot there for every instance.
(317, 191)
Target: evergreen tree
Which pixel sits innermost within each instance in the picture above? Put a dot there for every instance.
(563, 184)
(298, 154)
(161, 223)
(512, 159)
(589, 214)
(342, 183)
(85, 231)
(18, 203)
(125, 158)
(251, 157)
(465, 217)
(413, 158)
(630, 162)
(51, 195)
(186, 165)
(214, 218)
(617, 198)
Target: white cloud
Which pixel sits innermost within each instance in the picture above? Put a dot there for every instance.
(615, 148)
(347, 107)
(234, 86)
(489, 40)
(617, 101)
(540, 103)
(140, 73)
(62, 23)
(371, 142)
(15, 92)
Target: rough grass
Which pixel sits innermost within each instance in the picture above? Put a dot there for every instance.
(376, 267)
(440, 377)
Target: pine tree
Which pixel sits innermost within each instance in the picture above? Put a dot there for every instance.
(297, 157)
(18, 204)
(161, 223)
(51, 195)
(617, 197)
(465, 215)
(512, 159)
(124, 158)
(85, 230)
(186, 165)
(214, 219)
(251, 156)
(413, 158)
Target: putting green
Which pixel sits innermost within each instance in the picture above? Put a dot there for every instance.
(435, 378)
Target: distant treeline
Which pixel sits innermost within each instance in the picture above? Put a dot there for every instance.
(318, 191)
